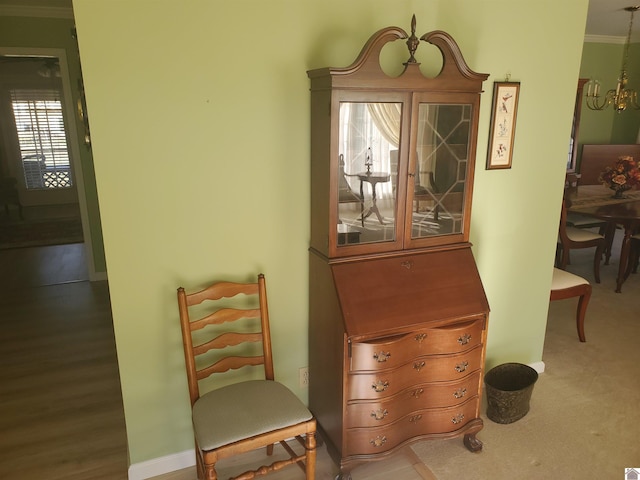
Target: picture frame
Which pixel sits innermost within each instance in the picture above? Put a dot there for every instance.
(504, 111)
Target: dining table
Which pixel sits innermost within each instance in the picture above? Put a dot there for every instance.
(599, 202)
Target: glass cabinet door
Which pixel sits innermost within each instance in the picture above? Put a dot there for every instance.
(439, 170)
(368, 152)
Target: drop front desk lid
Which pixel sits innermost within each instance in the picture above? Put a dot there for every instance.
(395, 294)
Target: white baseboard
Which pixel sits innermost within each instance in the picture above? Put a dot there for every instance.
(162, 465)
(538, 366)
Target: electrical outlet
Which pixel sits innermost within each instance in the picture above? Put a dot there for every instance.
(303, 375)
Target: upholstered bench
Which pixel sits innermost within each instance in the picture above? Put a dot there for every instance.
(567, 285)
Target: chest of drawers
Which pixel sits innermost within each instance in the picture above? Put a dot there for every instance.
(397, 353)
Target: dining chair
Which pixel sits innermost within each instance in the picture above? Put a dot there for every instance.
(345, 192)
(570, 237)
(634, 255)
(232, 333)
(567, 285)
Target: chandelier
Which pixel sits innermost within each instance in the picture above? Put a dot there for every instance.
(622, 96)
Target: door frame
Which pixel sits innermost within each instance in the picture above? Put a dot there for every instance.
(74, 141)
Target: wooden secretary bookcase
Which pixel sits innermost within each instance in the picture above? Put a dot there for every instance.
(398, 314)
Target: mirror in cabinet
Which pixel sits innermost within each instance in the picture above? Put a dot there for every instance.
(393, 157)
(369, 138)
(368, 145)
(440, 170)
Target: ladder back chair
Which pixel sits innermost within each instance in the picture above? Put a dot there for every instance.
(571, 238)
(251, 414)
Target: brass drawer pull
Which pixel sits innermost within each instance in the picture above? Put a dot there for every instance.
(380, 414)
(464, 339)
(420, 337)
(415, 418)
(461, 367)
(457, 419)
(380, 385)
(417, 392)
(418, 366)
(461, 392)
(381, 357)
(378, 441)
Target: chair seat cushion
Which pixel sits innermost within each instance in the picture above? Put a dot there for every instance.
(243, 410)
(563, 280)
(581, 235)
(579, 220)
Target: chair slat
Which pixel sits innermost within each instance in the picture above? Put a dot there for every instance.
(221, 290)
(229, 363)
(224, 315)
(226, 340)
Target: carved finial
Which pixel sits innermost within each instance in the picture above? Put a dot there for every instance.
(412, 41)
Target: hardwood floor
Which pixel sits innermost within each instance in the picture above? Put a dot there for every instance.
(61, 413)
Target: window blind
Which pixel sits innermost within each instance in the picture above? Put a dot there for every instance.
(42, 138)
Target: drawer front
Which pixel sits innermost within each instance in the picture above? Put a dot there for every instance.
(434, 368)
(391, 352)
(364, 441)
(431, 395)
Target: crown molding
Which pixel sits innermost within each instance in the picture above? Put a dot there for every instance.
(30, 11)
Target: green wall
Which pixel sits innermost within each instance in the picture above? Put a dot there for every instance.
(56, 33)
(200, 124)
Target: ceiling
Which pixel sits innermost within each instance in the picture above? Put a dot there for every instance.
(608, 18)
(605, 17)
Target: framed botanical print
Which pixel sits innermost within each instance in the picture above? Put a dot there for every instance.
(503, 124)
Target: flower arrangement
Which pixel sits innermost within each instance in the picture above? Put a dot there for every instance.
(622, 176)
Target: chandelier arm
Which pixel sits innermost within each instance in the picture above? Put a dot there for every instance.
(593, 101)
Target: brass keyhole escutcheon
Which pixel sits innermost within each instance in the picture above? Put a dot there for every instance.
(419, 366)
(464, 339)
(408, 264)
(420, 337)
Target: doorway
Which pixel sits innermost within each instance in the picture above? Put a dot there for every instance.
(41, 148)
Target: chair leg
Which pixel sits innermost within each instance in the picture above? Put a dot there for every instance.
(310, 455)
(596, 262)
(609, 233)
(210, 473)
(583, 302)
(199, 465)
(564, 259)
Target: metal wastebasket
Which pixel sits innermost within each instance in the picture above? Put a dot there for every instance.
(509, 387)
